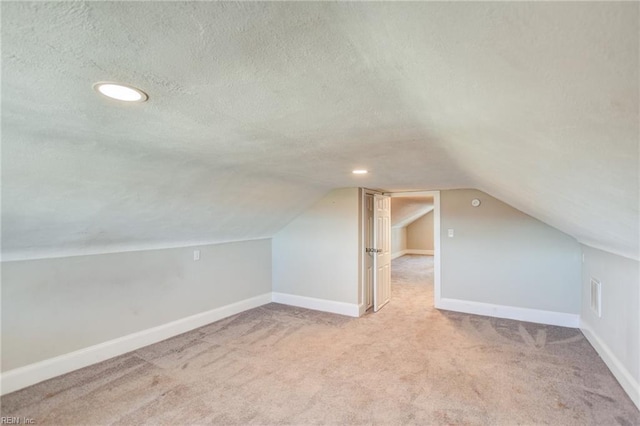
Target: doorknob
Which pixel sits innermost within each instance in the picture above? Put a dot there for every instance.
(372, 250)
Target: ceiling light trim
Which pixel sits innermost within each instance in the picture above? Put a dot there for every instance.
(120, 91)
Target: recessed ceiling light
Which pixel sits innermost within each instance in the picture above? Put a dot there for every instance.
(121, 92)
(360, 172)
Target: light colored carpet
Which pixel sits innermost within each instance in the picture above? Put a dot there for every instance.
(409, 363)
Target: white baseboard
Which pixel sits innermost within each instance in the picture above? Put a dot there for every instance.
(619, 371)
(342, 308)
(511, 312)
(411, 251)
(362, 309)
(31, 374)
(398, 254)
(416, 251)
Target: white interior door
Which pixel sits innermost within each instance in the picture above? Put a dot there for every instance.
(382, 242)
(369, 267)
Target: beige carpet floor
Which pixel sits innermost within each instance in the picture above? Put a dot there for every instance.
(407, 364)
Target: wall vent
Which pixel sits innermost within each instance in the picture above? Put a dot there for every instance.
(596, 297)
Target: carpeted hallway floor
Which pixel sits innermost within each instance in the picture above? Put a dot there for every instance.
(408, 363)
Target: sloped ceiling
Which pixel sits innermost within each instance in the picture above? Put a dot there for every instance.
(257, 109)
(406, 210)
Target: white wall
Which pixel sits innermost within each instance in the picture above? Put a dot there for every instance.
(51, 307)
(616, 334)
(501, 256)
(317, 254)
(398, 240)
(420, 233)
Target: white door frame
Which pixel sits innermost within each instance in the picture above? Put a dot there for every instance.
(436, 236)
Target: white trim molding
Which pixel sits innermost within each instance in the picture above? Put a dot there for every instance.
(411, 251)
(562, 319)
(423, 252)
(619, 371)
(31, 374)
(342, 308)
(398, 254)
(362, 309)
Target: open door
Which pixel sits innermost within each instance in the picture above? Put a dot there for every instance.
(369, 257)
(382, 242)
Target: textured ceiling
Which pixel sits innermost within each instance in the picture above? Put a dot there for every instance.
(257, 109)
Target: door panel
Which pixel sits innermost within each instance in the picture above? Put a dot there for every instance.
(382, 242)
(369, 257)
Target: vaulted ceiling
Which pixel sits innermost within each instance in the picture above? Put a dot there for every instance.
(257, 109)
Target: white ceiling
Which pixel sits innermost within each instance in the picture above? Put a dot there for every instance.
(257, 109)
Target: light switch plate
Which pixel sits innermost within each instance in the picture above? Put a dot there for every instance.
(196, 255)
(450, 233)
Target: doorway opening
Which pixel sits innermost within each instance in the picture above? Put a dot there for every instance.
(410, 239)
(421, 217)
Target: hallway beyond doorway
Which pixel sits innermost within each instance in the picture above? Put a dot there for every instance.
(413, 273)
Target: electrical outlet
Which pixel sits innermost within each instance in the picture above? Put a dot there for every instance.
(196, 255)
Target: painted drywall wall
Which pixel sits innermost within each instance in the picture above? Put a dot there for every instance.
(52, 307)
(420, 233)
(616, 334)
(398, 239)
(501, 256)
(317, 254)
